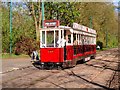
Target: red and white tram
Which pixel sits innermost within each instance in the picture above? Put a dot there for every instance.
(64, 46)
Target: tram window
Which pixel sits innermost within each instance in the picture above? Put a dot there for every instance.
(80, 42)
(85, 40)
(74, 37)
(61, 33)
(50, 38)
(64, 33)
(56, 37)
(88, 40)
(43, 37)
(69, 38)
(92, 40)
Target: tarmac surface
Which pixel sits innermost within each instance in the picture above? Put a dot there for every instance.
(14, 64)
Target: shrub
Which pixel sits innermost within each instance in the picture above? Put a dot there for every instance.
(99, 43)
(26, 46)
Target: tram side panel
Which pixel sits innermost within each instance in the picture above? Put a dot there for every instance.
(83, 51)
(69, 52)
(89, 50)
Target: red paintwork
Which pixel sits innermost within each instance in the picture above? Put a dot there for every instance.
(82, 50)
(57, 54)
(69, 51)
(52, 55)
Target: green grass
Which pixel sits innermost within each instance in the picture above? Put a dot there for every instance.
(7, 55)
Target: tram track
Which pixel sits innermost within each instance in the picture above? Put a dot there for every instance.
(100, 72)
(80, 75)
(34, 81)
(16, 69)
(31, 72)
(111, 79)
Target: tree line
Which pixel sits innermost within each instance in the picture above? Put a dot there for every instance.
(26, 18)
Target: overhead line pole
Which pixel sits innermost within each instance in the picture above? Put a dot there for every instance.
(90, 21)
(10, 26)
(106, 39)
(42, 13)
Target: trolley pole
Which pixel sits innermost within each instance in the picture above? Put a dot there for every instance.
(42, 14)
(90, 21)
(10, 26)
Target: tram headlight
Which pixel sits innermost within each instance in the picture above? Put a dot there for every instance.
(57, 63)
(42, 63)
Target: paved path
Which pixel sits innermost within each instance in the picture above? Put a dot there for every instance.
(16, 63)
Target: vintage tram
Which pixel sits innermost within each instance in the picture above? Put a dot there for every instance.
(63, 46)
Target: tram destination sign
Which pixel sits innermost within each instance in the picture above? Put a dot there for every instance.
(51, 23)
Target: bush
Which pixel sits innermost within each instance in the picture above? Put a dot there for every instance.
(99, 43)
(26, 46)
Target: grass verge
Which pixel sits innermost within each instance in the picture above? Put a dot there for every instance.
(7, 55)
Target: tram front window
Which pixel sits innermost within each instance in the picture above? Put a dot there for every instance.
(50, 38)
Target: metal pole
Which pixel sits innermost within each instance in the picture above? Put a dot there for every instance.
(42, 14)
(10, 26)
(90, 21)
(106, 39)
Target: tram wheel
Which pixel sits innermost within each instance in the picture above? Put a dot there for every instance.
(42, 67)
(51, 67)
(59, 68)
(93, 57)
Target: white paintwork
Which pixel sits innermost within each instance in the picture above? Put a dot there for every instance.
(82, 32)
(83, 28)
